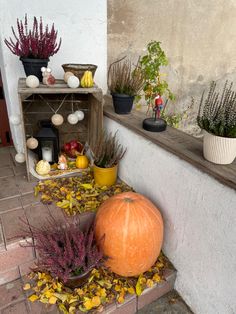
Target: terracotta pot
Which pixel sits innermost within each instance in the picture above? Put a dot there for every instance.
(219, 150)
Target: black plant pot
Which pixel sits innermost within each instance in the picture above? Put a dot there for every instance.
(122, 103)
(33, 66)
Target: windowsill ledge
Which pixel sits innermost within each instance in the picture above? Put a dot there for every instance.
(177, 142)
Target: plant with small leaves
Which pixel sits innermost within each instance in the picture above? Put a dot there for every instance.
(39, 42)
(124, 78)
(64, 249)
(217, 113)
(150, 65)
(108, 152)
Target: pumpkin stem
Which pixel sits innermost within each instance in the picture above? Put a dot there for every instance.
(128, 200)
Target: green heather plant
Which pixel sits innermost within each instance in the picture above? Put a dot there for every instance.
(217, 113)
(108, 152)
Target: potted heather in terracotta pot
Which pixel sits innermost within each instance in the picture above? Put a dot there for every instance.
(34, 46)
(107, 154)
(217, 117)
(65, 250)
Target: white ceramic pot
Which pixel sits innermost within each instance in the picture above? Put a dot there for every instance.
(219, 150)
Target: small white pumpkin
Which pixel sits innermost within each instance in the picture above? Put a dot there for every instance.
(57, 119)
(32, 81)
(73, 81)
(43, 167)
(72, 118)
(20, 157)
(15, 119)
(67, 75)
(32, 143)
(79, 114)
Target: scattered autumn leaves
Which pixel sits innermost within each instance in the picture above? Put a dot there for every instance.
(77, 194)
(102, 287)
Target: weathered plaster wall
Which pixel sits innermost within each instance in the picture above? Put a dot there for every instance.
(198, 36)
(199, 216)
(82, 25)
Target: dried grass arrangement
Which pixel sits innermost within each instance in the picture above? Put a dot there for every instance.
(108, 152)
(124, 78)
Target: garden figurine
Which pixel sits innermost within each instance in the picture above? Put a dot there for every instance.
(48, 78)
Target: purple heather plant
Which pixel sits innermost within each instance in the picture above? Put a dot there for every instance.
(64, 249)
(38, 43)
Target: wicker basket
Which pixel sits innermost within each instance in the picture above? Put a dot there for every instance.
(79, 69)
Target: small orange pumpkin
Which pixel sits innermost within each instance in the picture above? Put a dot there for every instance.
(129, 230)
(82, 162)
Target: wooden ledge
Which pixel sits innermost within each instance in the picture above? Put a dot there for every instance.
(177, 142)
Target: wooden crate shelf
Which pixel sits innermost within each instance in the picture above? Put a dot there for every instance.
(34, 107)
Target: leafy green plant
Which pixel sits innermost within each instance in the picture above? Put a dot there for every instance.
(217, 113)
(108, 152)
(150, 65)
(124, 78)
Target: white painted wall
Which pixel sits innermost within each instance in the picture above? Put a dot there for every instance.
(199, 216)
(83, 28)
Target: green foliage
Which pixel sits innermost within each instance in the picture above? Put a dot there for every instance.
(150, 65)
(217, 114)
(108, 152)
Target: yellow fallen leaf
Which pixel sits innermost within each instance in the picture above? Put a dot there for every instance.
(88, 304)
(52, 300)
(63, 308)
(138, 287)
(87, 186)
(150, 283)
(96, 301)
(72, 309)
(131, 290)
(26, 286)
(121, 299)
(33, 297)
(156, 278)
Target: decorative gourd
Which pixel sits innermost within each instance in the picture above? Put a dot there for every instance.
(87, 79)
(43, 167)
(129, 230)
(82, 162)
(32, 143)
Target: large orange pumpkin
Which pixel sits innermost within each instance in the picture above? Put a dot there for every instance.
(129, 230)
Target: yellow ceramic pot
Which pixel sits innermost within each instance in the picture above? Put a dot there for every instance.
(105, 176)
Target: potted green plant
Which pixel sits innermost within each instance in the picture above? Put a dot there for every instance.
(34, 46)
(107, 153)
(65, 250)
(217, 117)
(154, 86)
(124, 82)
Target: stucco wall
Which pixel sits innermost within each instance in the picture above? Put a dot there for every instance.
(198, 36)
(82, 25)
(199, 216)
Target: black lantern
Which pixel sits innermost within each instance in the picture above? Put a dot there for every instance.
(48, 139)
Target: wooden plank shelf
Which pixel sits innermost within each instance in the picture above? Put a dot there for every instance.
(176, 142)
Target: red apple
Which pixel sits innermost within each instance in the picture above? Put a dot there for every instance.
(67, 147)
(73, 144)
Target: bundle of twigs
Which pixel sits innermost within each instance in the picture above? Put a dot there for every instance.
(124, 78)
